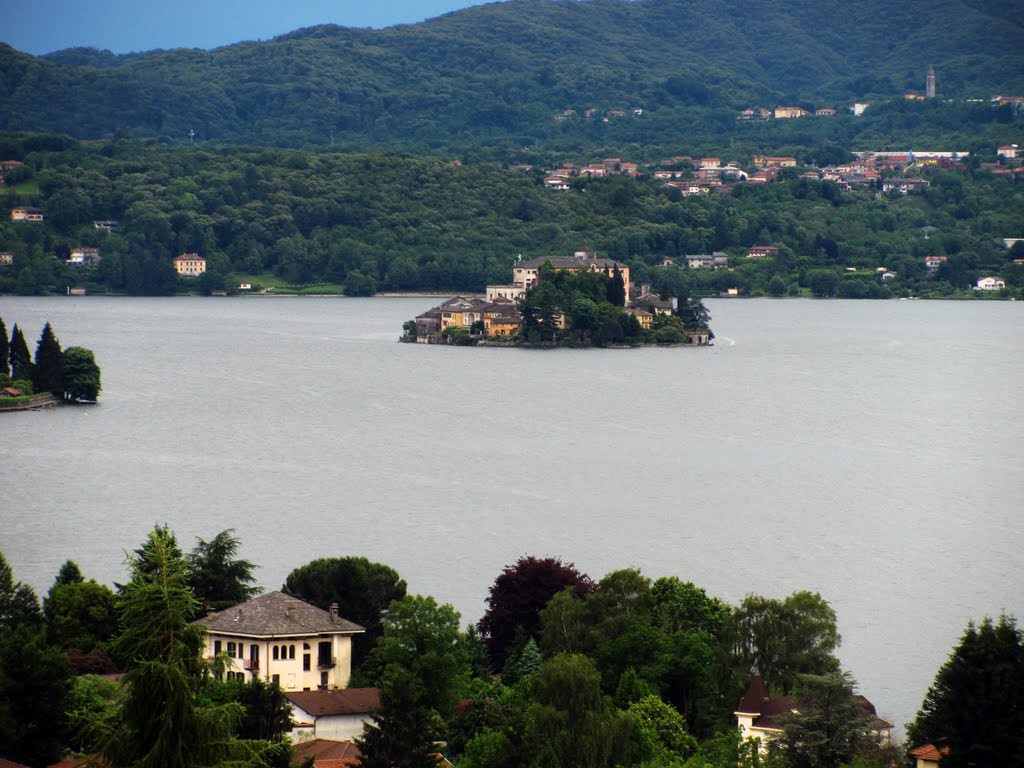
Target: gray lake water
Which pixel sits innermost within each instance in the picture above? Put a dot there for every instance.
(867, 450)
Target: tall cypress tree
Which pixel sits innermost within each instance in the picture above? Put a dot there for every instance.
(5, 350)
(21, 360)
(48, 374)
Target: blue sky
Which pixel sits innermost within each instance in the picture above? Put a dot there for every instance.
(42, 26)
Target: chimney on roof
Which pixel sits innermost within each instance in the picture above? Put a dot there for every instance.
(334, 612)
(290, 612)
(238, 617)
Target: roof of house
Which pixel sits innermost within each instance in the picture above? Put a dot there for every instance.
(569, 262)
(275, 614)
(10, 764)
(930, 752)
(189, 257)
(769, 709)
(348, 701)
(326, 753)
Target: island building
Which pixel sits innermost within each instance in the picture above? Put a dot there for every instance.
(6, 259)
(280, 638)
(929, 84)
(190, 264)
(527, 273)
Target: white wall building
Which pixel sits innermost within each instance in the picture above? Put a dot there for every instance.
(338, 715)
(278, 637)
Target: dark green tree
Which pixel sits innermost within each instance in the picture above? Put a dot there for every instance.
(21, 361)
(423, 638)
(34, 678)
(48, 371)
(617, 289)
(69, 573)
(362, 589)
(975, 705)
(217, 577)
(570, 723)
(80, 615)
(5, 350)
(266, 713)
(162, 722)
(402, 732)
(81, 375)
(831, 727)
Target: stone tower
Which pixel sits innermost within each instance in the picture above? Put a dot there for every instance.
(929, 84)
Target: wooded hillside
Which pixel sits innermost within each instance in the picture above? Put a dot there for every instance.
(501, 72)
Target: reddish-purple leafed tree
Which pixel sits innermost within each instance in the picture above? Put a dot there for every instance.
(517, 597)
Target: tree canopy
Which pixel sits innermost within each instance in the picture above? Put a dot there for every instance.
(974, 706)
(217, 577)
(362, 589)
(517, 597)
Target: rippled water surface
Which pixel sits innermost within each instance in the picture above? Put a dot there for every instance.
(867, 450)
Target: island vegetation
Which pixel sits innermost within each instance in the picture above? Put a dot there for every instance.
(56, 375)
(582, 302)
(561, 670)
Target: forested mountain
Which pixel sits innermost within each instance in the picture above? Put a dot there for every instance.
(501, 72)
(376, 221)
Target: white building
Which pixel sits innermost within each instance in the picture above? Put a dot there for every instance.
(989, 284)
(337, 715)
(280, 638)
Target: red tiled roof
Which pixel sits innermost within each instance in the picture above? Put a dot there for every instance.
(10, 764)
(930, 752)
(348, 701)
(326, 753)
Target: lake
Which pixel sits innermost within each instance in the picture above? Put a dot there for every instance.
(866, 450)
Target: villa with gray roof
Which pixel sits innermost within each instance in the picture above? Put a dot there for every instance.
(278, 637)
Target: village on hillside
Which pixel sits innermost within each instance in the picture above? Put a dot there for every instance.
(627, 314)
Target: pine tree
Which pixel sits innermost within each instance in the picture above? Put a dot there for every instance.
(48, 376)
(164, 722)
(5, 350)
(21, 361)
(974, 704)
(401, 735)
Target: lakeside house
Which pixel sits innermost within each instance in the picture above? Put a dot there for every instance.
(84, 256)
(6, 259)
(190, 264)
(762, 251)
(928, 755)
(278, 637)
(990, 284)
(26, 213)
(762, 716)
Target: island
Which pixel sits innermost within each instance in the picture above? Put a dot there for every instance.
(572, 301)
(55, 376)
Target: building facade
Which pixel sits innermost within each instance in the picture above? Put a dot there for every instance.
(278, 637)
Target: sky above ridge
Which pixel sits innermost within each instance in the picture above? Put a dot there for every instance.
(123, 26)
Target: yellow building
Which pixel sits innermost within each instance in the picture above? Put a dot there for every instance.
(190, 264)
(26, 213)
(278, 638)
(501, 326)
(786, 112)
(645, 318)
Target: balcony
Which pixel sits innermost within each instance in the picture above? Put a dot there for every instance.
(251, 664)
(326, 662)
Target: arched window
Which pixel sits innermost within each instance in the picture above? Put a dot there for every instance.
(275, 653)
(291, 651)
